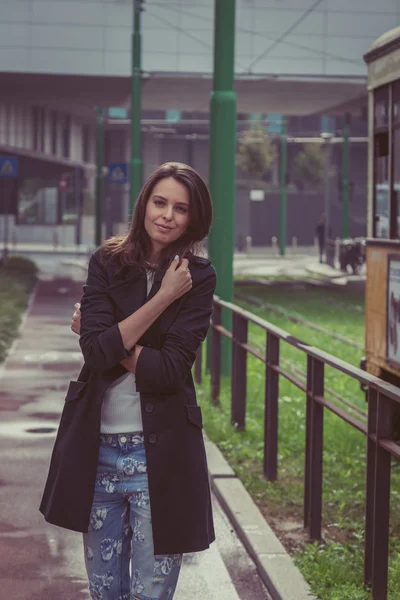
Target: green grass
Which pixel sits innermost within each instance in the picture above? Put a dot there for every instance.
(335, 570)
(17, 280)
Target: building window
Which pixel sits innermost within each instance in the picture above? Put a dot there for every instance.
(38, 120)
(38, 202)
(86, 143)
(35, 123)
(396, 156)
(66, 136)
(381, 108)
(54, 136)
(381, 163)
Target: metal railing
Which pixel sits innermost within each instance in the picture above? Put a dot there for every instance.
(381, 445)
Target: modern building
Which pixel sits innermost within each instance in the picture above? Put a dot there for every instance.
(61, 58)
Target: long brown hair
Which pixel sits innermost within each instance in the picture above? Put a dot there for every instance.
(134, 248)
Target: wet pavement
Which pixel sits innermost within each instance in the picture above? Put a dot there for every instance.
(42, 562)
(261, 262)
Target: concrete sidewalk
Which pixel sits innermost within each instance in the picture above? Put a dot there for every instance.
(261, 262)
(42, 562)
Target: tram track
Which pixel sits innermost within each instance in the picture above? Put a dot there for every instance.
(302, 375)
(310, 283)
(295, 318)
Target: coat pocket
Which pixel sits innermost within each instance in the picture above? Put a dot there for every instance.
(75, 390)
(194, 415)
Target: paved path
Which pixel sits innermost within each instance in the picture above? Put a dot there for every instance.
(43, 562)
(258, 262)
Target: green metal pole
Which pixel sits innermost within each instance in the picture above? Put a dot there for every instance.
(283, 203)
(222, 160)
(99, 176)
(136, 106)
(346, 181)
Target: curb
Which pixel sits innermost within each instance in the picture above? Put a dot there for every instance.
(274, 565)
(81, 264)
(24, 318)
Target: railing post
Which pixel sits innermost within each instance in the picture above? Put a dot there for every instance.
(239, 372)
(307, 453)
(316, 451)
(215, 366)
(382, 501)
(370, 487)
(198, 365)
(271, 409)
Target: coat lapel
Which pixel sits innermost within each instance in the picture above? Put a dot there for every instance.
(128, 291)
(158, 277)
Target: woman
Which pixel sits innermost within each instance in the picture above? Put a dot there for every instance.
(129, 467)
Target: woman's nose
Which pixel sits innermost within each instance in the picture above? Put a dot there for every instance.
(168, 214)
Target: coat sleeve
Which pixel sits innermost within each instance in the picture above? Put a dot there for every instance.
(166, 370)
(100, 337)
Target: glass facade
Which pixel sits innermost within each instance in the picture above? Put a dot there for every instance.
(93, 37)
(46, 202)
(38, 202)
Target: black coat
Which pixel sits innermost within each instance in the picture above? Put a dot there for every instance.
(172, 422)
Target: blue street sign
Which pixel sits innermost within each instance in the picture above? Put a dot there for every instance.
(328, 124)
(8, 167)
(274, 123)
(117, 112)
(117, 173)
(173, 116)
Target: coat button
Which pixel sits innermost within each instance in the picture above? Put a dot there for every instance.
(149, 408)
(152, 438)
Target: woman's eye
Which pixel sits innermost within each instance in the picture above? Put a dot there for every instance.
(158, 202)
(181, 209)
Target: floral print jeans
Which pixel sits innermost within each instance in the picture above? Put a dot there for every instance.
(119, 552)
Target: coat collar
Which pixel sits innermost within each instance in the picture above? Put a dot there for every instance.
(129, 288)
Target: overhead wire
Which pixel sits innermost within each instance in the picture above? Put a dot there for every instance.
(264, 35)
(286, 33)
(183, 31)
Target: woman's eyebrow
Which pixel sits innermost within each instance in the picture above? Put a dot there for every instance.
(166, 200)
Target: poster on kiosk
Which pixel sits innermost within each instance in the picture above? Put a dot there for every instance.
(393, 310)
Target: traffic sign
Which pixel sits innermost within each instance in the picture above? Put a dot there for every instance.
(117, 112)
(8, 167)
(117, 173)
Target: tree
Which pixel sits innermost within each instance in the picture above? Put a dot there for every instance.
(256, 152)
(309, 165)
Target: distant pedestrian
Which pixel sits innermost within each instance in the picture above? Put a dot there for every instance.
(129, 468)
(321, 236)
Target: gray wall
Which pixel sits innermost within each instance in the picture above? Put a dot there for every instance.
(304, 210)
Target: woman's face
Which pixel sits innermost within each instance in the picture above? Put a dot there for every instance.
(167, 213)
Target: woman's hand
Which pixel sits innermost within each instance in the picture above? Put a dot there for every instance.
(130, 362)
(177, 280)
(76, 319)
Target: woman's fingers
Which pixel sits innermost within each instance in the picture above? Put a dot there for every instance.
(76, 319)
(177, 281)
(174, 263)
(184, 264)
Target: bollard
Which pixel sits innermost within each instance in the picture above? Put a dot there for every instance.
(338, 243)
(294, 243)
(249, 242)
(274, 243)
(55, 239)
(14, 238)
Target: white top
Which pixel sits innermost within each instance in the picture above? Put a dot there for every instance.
(120, 411)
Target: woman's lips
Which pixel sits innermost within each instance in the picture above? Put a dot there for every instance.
(163, 228)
